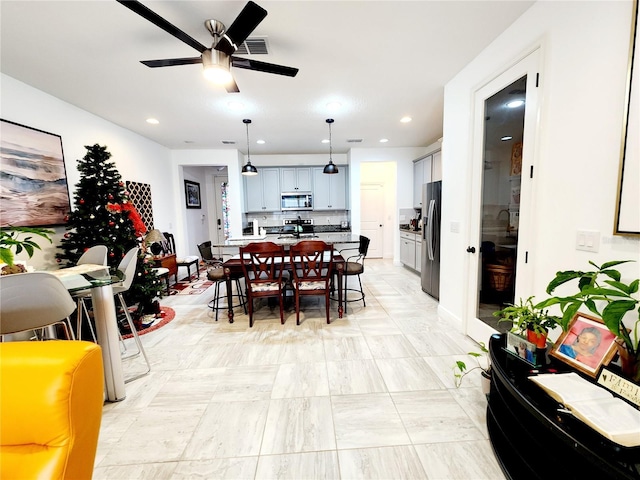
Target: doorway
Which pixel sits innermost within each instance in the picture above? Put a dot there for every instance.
(372, 217)
(504, 133)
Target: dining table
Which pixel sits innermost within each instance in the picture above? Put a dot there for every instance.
(233, 265)
(99, 280)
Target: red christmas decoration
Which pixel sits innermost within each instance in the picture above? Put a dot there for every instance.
(66, 218)
(111, 223)
(66, 235)
(58, 260)
(111, 254)
(110, 197)
(81, 201)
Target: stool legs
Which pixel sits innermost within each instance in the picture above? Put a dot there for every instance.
(214, 304)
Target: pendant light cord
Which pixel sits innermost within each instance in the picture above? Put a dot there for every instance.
(247, 122)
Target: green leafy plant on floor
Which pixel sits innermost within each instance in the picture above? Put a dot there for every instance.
(10, 240)
(460, 369)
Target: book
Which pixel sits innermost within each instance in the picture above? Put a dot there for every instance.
(610, 416)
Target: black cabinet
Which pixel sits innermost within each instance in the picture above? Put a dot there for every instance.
(533, 439)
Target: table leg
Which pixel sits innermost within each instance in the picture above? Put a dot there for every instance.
(227, 274)
(109, 340)
(339, 268)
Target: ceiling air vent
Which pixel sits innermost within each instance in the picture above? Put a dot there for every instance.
(253, 46)
(354, 140)
(228, 142)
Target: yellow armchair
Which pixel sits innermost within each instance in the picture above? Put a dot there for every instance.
(50, 409)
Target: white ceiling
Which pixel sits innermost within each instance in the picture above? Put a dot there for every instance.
(381, 60)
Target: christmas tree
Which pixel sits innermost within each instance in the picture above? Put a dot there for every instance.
(103, 215)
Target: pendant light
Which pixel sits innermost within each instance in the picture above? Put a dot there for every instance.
(248, 169)
(330, 168)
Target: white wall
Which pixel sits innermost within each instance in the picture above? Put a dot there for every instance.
(136, 158)
(584, 47)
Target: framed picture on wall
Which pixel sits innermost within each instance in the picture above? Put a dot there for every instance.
(192, 194)
(33, 177)
(587, 344)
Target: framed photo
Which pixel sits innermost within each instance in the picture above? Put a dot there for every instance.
(33, 178)
(587, 345)
(192, 194)
(523, 349)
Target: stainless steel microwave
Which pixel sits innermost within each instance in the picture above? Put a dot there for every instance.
(296, 201)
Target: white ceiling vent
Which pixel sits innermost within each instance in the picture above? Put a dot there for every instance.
(354, 140)
(253, 46)
(228, 142)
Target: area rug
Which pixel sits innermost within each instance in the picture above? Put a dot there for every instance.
(193, 286)
(160, 320)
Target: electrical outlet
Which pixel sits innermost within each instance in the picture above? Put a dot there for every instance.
(588, 240)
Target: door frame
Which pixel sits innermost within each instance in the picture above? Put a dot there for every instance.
(374, 186)
(530, 66)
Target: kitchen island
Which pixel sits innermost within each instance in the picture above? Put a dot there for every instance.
(234, 265)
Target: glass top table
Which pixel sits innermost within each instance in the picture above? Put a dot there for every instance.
(99, 280)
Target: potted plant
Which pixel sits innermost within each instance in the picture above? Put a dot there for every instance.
(528, 319)
(9, 239)
(604, 294)
(460, 369)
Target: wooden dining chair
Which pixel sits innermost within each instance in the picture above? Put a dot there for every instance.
(263, 264)
(311, 267)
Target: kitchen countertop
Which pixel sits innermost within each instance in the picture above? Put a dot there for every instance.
(409, 230)
(280, 239)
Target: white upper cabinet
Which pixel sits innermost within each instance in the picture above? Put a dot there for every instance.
(330, 191)
(425, 170)
(262, 191)
(295, 179)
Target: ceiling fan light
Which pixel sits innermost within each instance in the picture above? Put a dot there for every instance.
(217, 74)
(216, 67)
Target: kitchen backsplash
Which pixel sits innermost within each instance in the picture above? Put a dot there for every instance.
(333, 219)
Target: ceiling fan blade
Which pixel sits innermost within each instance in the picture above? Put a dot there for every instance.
(171, 62)
(157, 20)
(245, 23)
(263, 66)
(232, 87)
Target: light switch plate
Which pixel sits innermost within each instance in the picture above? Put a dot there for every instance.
(588, 240)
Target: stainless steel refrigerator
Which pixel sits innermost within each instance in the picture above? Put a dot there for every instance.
(431, 208)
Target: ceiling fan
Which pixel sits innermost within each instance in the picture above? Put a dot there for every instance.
(218, 59)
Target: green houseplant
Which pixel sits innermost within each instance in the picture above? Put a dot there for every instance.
(605, 295)
(460, 369)
(528, 319)
(10, 239)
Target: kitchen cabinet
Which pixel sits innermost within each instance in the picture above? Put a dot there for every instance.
(262, 191)
(411, 249)
(295, 179)
(426, 169)
(408, 249)
(330, 191)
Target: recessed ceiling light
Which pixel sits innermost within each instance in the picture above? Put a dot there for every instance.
(515, 103)
(189, 141)
(235, 105)
(260, 142)
(405, 119)
(384, 140)
(334, 105)
(326, 140)
(153, 121)
(506, 138)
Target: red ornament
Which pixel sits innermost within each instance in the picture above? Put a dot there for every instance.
(81, 201)
(111, 254)
(58, 260)
(66, 235)
(66, 218)
(110, 197)
(111, 223)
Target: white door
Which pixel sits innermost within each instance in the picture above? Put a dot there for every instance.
(220, 219)
(500, 222)
(371, 217)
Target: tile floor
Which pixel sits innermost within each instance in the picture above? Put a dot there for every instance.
(370, 396)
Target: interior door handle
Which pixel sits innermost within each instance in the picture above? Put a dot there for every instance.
(471, 249)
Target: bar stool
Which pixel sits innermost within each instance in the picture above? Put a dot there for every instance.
(216, 274)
